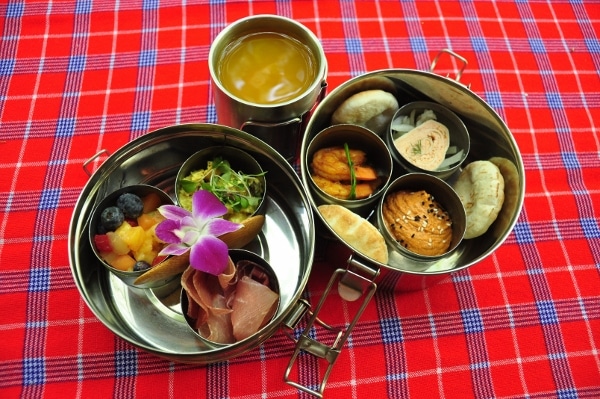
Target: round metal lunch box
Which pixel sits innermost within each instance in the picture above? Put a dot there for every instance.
(151, 319)
(490, 137)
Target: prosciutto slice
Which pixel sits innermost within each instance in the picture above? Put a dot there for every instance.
(231, 306)
(425, 146)
(253, 306)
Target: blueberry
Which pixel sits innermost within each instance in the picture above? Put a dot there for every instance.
(141, 265)
(111, 218)
(131, 205)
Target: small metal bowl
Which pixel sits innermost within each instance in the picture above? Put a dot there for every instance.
(357, 137)
(459, 137)
(128, 277)
(239, 160)
(447, 199)
(236, 256)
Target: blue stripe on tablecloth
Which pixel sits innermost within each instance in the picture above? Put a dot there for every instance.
(472, 321)
(547, 312)
(7, 67)
(592, 44)
(475, 338)
(39, 280)
(15, 9)
(126, 363)
(523, 233)
(216, 374)
(416, 35)
(34, 371)
(391, 331)
(83, 7)
(390, 325)
(484, 60)
(140, 122)
(353, 43)
(590, 228)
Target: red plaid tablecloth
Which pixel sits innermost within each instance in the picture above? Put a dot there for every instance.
(80, 76)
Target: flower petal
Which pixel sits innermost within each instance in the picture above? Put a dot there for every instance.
(165, 231)
(206, 205)
(209, 255)
(217, 227)
(173, 212)
(174, 249)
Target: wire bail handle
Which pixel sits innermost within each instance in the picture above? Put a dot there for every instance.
(462, 59)
(354, 282)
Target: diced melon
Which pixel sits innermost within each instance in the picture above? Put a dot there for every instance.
(123, 262)
(120, 262)
(117, 243)
(147, 220)
(151, 202)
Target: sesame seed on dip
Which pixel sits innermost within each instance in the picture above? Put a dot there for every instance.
(418, 222)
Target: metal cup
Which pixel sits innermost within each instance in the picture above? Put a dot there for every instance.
(279, 124)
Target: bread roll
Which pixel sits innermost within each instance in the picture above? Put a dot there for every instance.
(372, 109)
(356, 231)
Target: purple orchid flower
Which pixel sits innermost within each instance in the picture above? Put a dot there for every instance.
(198, 232)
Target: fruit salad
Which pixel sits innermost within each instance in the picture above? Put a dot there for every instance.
(125, 233)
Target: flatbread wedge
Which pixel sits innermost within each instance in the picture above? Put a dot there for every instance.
(174, 265)
(356, 231)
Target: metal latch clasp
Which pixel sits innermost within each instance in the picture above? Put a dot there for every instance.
(352, 284)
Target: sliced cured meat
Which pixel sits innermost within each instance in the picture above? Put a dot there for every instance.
(232, 306)
(253, 306)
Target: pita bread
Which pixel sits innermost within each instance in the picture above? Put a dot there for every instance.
(511, 193)
(372, 109)
(480, 187)
(356, 231)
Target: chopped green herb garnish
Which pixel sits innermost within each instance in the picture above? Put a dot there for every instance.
(416, 148)
(352, 194)
(239, 192)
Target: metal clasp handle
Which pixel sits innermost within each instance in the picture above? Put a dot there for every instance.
(462, 59)
(351, 287)
(94, 157)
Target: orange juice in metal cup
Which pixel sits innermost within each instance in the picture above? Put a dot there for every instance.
(268, 73)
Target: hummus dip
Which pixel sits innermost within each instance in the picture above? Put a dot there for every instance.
(418, 222)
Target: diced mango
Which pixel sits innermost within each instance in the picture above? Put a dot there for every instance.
(123, 229)
(132, 235)
(146, 251)
(147, 220)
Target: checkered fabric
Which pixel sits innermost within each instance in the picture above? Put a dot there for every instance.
(80, 76)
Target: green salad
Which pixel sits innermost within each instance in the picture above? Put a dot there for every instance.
(241, 193)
